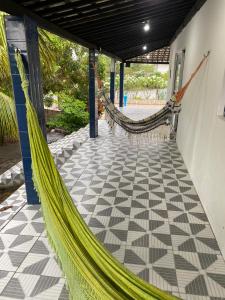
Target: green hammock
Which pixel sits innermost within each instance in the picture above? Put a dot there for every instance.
(90, 270)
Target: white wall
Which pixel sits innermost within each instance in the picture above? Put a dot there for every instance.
(201, 132)
(162, 68)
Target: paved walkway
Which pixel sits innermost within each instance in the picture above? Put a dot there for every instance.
(9, 156)
(140, 202)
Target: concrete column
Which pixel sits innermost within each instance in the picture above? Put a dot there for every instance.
(22, 33)
(121, 84)
(93, 103)
(112, 79)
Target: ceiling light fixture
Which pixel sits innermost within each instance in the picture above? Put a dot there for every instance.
(144, 47)
(146, 26)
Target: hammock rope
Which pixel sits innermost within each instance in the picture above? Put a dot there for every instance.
(92, 273)
(173, 106)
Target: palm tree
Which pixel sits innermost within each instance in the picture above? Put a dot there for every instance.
(8, 123)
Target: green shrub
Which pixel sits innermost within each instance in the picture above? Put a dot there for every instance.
(73, 114)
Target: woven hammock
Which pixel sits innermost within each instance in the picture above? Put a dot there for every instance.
(173, 106)
(135, 127)
(92, 273)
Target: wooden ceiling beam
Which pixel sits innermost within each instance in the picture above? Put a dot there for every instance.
(127, 14)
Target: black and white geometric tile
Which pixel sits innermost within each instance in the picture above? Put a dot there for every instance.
(28, 266)
(140, 202)
(14, 203)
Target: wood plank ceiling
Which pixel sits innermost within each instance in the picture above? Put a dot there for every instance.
(114, 26)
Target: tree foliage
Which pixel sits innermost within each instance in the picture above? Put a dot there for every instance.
(69, 74)
(140, 77)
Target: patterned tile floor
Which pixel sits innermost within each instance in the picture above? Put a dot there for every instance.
(140, 202)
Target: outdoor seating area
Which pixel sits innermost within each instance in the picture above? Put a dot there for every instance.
(111, 150)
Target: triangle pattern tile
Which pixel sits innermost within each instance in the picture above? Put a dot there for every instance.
(124, 210)
(39, 248)
(36, 268)
(114, 221)
(164, 238)
(137, 204)
(142, 241)
(182, 264)
(177, 198)
(211, 243)
(44, 283)
(13, 289)
(206, 259)
(161, 213)
(101, 235)
(143, 215)
(120, 234)
(183, 218)
(197, 228)
(155, 254)
(144, 274)
(197, 287)
(133, 226)
(175, 230)
(188, 246)
(154, 224)
(64, 295)
(167, 274)
(132, 258)
(218, 278)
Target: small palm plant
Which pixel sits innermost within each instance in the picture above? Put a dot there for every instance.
(8, 122)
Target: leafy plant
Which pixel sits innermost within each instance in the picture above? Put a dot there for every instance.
(73, 115)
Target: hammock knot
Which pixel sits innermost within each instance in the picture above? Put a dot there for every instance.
(25, 84)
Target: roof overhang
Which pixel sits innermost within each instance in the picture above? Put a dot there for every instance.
(114, 27)
(159, 56)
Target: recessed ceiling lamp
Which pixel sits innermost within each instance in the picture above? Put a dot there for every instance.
(146, 26)
(144, 47)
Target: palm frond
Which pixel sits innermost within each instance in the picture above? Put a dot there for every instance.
(46, 51)
(4, 64)
(8, 121)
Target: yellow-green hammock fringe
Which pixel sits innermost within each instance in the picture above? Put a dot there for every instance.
(90, 270)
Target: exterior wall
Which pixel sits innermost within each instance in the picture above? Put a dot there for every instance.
(201, 131)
